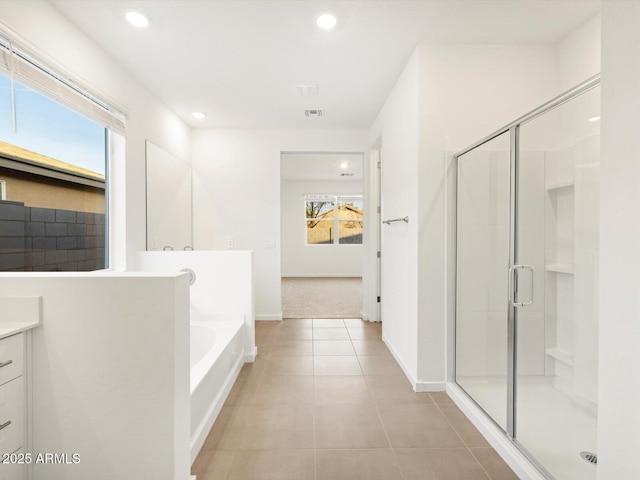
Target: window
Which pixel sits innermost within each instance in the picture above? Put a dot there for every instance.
(53, 168)
(333, 219)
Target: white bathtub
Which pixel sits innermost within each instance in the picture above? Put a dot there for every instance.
(216, 358)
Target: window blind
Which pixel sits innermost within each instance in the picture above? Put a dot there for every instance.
(28, 69)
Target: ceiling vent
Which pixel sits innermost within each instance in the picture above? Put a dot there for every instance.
(317, 112)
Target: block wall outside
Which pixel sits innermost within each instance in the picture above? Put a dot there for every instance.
(45, 239)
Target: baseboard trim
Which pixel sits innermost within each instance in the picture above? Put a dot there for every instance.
(496, 437)
(277, 316)
(418, 386)
(364, 316)
(430, 387)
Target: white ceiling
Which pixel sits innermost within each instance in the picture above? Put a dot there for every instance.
(320, 166)
(238, 60)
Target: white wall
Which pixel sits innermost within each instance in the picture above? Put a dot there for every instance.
(236, 187)
(46, 30)
(302, 260)
(110, 374)
(398, 126)
(447, 97)
(619, 389)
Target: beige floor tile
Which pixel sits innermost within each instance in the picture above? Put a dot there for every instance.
(328, 323)
(441, 398)
(358, 322)
(291, 347)
(370, 346)
(285, 390)
(265, 337)
(226, 433)
(336, 365)
(364, 333)
(279, 427)
(243, 390)
(341, 390)
(470, 434)
(273, 465)
(418, 426)
(356, 465)
(395, 389)
(267, 324)
(294, 365)
(439, 464)
(379, 365)
(257, 367)
(293, 333)
(348, 426)
(213, 465)
(330, 334)
(333, 347)
(297, 323)
(493, 464)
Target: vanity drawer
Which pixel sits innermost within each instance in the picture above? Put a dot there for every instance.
(12, 415)
(11, 357)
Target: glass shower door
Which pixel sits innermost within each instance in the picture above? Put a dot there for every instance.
(482, 237)
(557, 229)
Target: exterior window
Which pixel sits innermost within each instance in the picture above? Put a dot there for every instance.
(334, 219)
(53, 168)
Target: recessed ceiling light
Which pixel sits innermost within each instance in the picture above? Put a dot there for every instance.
(137, 19)
(594, 119)
(198, 115)
(326, 21)
(344, 165)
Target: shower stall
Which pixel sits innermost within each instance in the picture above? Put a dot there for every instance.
(526, 321)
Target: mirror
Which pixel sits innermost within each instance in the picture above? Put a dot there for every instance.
(169, 217)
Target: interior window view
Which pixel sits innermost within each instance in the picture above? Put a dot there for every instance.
(310, 240)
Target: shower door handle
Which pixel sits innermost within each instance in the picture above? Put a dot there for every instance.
(513, 291)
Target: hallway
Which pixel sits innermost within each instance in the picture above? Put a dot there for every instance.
(325, 400)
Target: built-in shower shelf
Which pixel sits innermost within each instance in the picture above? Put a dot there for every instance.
(559, 185)
(566, 268)
(560, 355)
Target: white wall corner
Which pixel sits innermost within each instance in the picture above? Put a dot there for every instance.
(251, 356)
(364, 316)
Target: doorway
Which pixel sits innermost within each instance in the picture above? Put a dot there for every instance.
(322, 224)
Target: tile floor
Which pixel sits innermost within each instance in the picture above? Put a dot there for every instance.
(325, 400)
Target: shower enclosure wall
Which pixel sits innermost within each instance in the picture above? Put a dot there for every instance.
(527, 228)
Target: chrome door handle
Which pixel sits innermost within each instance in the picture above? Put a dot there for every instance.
(512, 291)
(4, 364)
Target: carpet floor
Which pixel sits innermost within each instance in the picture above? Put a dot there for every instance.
(321, 297)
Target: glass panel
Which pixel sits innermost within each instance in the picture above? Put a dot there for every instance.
(320, 232)
(557, 335)
(55, 186)
(350, 207)
(350, 232)
(482, 274)
(319, 207)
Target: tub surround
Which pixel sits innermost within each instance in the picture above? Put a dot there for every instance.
(216, 363)
(224, 284)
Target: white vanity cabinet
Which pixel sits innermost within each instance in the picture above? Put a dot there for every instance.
(12, 406)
